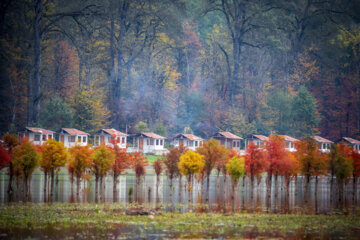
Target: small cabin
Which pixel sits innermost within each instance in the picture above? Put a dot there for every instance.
(37, 135)
(148, 142)
(323, 143)
(71, 137)
(258, 140)
(109, 137)
(229, 140)
(351, 142)
(187, 140)
(290, 143)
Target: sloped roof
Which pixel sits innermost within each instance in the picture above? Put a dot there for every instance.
(229, 135)
(261, 137)
(113, 132)
(351, 140)
(74, 131)
(150, 135)
(321, 139)
(38, 130)
(288, 138)
(188, 136)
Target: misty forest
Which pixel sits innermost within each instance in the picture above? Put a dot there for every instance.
(260, 66)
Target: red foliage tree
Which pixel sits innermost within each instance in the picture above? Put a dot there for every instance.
(138, 163)
(122, 161)
(4, 158)
(355, 156)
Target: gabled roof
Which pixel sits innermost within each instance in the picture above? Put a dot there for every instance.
(320, 139)
(351, 140)
(113, 132)
(38, 130)
(188, 136)
(149, 135)
(228, 135)
(288, 138)
(73, 131)
(261, 137)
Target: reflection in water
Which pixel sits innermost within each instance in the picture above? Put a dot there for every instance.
(281, 199)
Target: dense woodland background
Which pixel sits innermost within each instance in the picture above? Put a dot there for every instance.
(246, 66)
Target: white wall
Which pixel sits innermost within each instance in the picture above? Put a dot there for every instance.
(107, 139)
(32, 137)
(71, 144)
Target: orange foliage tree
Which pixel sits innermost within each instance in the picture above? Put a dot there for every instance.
(10, 141)
(80, 161)
(122, 161)
(255, 163)
(212, 153)
(138, 164)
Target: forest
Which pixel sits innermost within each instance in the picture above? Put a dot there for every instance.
(261, 66)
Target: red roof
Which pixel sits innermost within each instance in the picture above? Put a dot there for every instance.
(262, 137)
(351, 140)
(152, 135)
(189, 136)
(230, 135)
(320, 139)
(113, 132)
(288, 138)
(74, 131)
(38, 130)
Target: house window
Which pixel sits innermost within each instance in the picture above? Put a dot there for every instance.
(84, 139)
(190, 143)
(79, 139)
(97, 139)
(71, 138)
(122, 140)
(196, 143)
(157, 142)
(37, 137)
(50, 137)
(238, 144)
(161, 142)
(151, 141)
(44, 137)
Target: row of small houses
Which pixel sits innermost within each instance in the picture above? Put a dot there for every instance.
(151, 143)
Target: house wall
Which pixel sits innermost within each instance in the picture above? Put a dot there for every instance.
(190, 144)
(108, 140)
(147, 147)
(69, 144)
(229, 143)
(257, 142)
(290, 146)
(43, 137)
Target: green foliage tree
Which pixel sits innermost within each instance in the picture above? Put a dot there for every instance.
(236, 170)
(25, 160)
(141, 127)
(305, 119)
(55, 114)
(160, 129)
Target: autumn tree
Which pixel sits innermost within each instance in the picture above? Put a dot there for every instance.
(355, 156)
(190, 163)
(138, 164)
(25, 160)
(103, 158)
(236, 170)
(11, 142)
(4, 158)
(288, 168)
(122, 161)
(158, 167)
(80, 161)
(171, 161)
(212, 153)
(255, 163)
(54, 156)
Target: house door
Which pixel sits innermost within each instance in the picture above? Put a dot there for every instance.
(141, 143)
(62, 138)
(101, 140)
(181, 142)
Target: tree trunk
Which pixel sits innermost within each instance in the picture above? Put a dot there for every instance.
(217, 187)
(37, 62)
(45, 183)
(11, 177)
(180, 188)
(171, 194)
(252, 179)
(276, 190)
(341, 193)
(207, 190)
(233, 185)
(52, 185)
(96, 188)
(115, 181)
(331, 189)
(354, 190)
(189, 191)
(25, 189)
(268, 190)
(307, 184)
(78, 179)
(316, 193)
(101, 189)
(157, 189)
(224, 194)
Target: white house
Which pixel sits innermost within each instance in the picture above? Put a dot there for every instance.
(71, 137)
(188, 140)
(37, 135)
(351, 142)
(229, 140)
(109, 136)
(324, 144)
(148, 142)
(258, 140)
(290, 143)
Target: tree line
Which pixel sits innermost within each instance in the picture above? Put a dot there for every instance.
(288, 67)
(83, 162)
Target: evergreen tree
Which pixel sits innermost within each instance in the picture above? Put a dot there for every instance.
(56, 114)
(304, 113)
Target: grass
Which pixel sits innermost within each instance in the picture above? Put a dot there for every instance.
(151, 158)
(107, 217)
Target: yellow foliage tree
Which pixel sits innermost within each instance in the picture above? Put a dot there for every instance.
(236, 170)
(190, 163)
